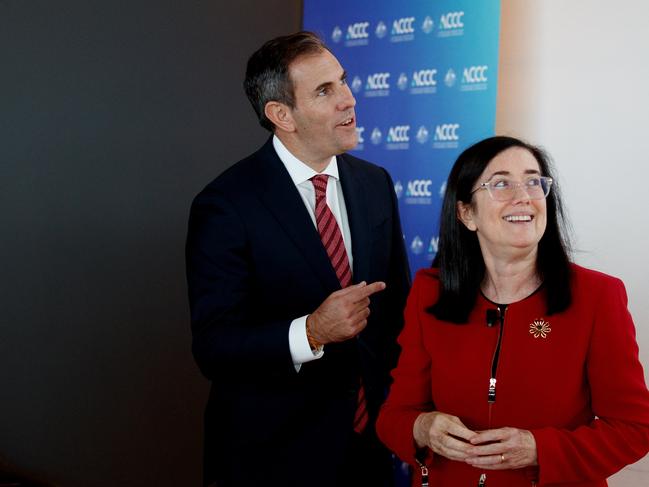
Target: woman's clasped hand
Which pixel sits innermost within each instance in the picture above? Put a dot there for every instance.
(495, 449)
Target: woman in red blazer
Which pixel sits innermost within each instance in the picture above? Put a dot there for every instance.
(518, 368)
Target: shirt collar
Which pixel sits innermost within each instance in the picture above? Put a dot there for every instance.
(298, 170)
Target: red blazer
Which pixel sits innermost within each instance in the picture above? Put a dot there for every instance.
(578, 386)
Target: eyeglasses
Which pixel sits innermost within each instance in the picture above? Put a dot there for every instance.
(502, 189)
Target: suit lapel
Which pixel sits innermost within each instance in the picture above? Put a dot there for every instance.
(356, 201)
(282, 198)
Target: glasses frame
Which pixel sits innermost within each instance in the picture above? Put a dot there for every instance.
(517, 184)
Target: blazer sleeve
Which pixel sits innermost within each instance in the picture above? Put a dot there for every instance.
(230, 337)
(620, 433)
(410, 393)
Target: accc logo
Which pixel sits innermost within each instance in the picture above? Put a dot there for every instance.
(359, 133)
(417, 245)
(422, 135)
(358, 30)
(356, 85)
(427, 25)
(402, 82)
(449, 79)
(376, 136)
(403, 26)
(381, 30)
(419, 188)
(399, 133)
(398, 188)
(378, 81)
(447, 131)
(336, 34)
(452, 20)
(424, 77)
(475, 74)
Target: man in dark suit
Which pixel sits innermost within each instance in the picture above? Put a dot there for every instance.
(297, 280)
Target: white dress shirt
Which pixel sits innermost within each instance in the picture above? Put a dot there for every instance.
(301, 174)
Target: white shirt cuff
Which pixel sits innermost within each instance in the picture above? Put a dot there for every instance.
(298, 344)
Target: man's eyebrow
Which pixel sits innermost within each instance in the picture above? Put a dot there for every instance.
(322, 86)
(326, 84)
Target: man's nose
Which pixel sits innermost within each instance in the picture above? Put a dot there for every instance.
(347, 100)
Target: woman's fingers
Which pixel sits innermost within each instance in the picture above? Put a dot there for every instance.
(449, 437)
(497, 449)
(503, 448)
(454, 448)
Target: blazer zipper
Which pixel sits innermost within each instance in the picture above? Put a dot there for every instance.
(483, 481)
(424, 473)
(491, 392)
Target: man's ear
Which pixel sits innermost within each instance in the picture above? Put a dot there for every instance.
(465, 215)
(280, 115)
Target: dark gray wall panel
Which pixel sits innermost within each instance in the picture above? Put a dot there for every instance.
(113, 115)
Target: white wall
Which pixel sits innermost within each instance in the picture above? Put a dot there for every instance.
(574, 78)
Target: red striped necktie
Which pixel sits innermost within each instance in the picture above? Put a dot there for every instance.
(332, 239)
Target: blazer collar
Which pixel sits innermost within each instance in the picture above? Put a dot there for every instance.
(278, 192)
(356, 196)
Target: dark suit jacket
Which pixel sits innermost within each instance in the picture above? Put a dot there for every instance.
(255, 262)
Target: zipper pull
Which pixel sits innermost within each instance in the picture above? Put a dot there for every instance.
(491, 397)
(483, 480)
(424, 475)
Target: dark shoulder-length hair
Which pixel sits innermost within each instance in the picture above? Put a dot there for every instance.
(459, 259)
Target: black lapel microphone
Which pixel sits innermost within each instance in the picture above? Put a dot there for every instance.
(493, 317)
